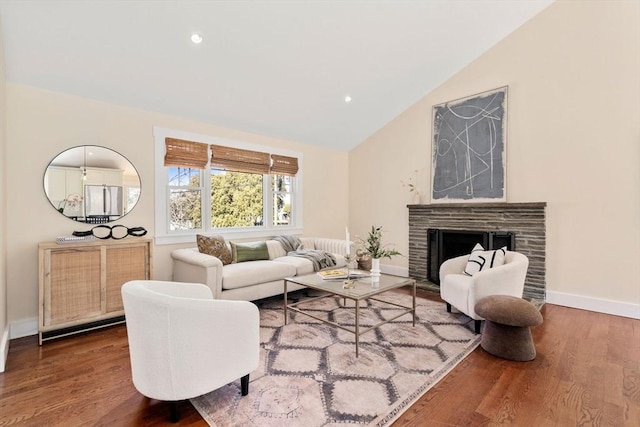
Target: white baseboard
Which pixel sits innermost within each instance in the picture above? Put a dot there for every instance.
(4, 348)
(24, 328)
(598, 305)
(393, 270)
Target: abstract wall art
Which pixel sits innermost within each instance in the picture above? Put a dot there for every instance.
(469, 148)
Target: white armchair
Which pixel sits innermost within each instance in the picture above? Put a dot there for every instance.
(462, 291)
(183, 343)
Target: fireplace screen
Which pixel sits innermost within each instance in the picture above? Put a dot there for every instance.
(446, 244)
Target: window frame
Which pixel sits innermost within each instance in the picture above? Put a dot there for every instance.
(165, 236)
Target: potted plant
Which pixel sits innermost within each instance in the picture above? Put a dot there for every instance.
(373, 246)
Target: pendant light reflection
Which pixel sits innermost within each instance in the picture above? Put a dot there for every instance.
(84, 165)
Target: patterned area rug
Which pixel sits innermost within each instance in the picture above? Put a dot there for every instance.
(309, 376)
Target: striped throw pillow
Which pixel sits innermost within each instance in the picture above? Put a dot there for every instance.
(481, 260)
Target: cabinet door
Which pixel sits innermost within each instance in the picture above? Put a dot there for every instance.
(124, 264)
(72, 285)
(112, 178)
(74, 182)
(94, 177)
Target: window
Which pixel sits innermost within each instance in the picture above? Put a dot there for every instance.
(237, 199)
(282, 189)
(133, 195)
(185, 198)
(207, 185)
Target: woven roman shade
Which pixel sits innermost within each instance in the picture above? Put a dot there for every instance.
(284, 165)
(186, 154)
(237, 160)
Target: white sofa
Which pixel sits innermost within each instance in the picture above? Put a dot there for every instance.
(251, 280)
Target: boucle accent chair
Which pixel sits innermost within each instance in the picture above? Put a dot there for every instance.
(463, 291)
(507, 332)
(183, 343)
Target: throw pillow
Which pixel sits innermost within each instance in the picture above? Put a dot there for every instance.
(215, 246)
(249, 251)
(481, 260)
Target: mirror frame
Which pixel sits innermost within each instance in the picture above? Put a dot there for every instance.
(91, 184)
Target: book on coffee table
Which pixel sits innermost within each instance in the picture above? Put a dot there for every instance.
(341, 273)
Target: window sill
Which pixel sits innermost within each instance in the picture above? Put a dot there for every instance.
(172, 239)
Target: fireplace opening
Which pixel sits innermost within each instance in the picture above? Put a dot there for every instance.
(446, 244)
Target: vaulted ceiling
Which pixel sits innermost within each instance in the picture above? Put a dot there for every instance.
(276, 68)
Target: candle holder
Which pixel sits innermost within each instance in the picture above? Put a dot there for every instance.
(348, 283)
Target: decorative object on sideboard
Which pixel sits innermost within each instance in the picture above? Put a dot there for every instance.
(116, 232)
(469, 148)
(74, 239)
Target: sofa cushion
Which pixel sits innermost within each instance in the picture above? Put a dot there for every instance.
(252, 251)
(303, 266)
(308, 242)
(214, 246)
(275, 249)
(334, 246)
(253, 272)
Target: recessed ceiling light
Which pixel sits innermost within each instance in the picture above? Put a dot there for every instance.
(347, 99)
(196, 38)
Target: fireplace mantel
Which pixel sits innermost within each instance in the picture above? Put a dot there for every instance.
(498, 205)
(526, 220)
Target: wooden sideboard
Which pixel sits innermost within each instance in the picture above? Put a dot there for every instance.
(79, 283)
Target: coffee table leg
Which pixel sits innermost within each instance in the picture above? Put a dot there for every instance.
(285, 302)
(357, 325)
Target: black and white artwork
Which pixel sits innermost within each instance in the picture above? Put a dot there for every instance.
(469, 148)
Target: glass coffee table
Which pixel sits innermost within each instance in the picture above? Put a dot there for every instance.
(365, 289)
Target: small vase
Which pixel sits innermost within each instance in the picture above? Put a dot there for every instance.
(375, 269)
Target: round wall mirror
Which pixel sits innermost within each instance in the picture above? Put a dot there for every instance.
(92, 184)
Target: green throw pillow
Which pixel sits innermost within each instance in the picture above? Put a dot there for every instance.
(249, 251)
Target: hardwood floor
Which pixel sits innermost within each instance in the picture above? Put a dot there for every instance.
(587, 373)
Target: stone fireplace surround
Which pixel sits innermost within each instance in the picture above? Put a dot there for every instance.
(526, 220)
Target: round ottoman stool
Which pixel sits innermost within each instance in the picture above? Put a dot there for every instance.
(507, 332)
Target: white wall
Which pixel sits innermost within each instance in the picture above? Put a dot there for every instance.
(4, 325)
(574, 110)
(43, 123)
(573, 73)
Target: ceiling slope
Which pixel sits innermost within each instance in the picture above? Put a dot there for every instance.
(276, 68)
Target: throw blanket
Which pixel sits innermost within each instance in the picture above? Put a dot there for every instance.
(289, 243)
(320, 259)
